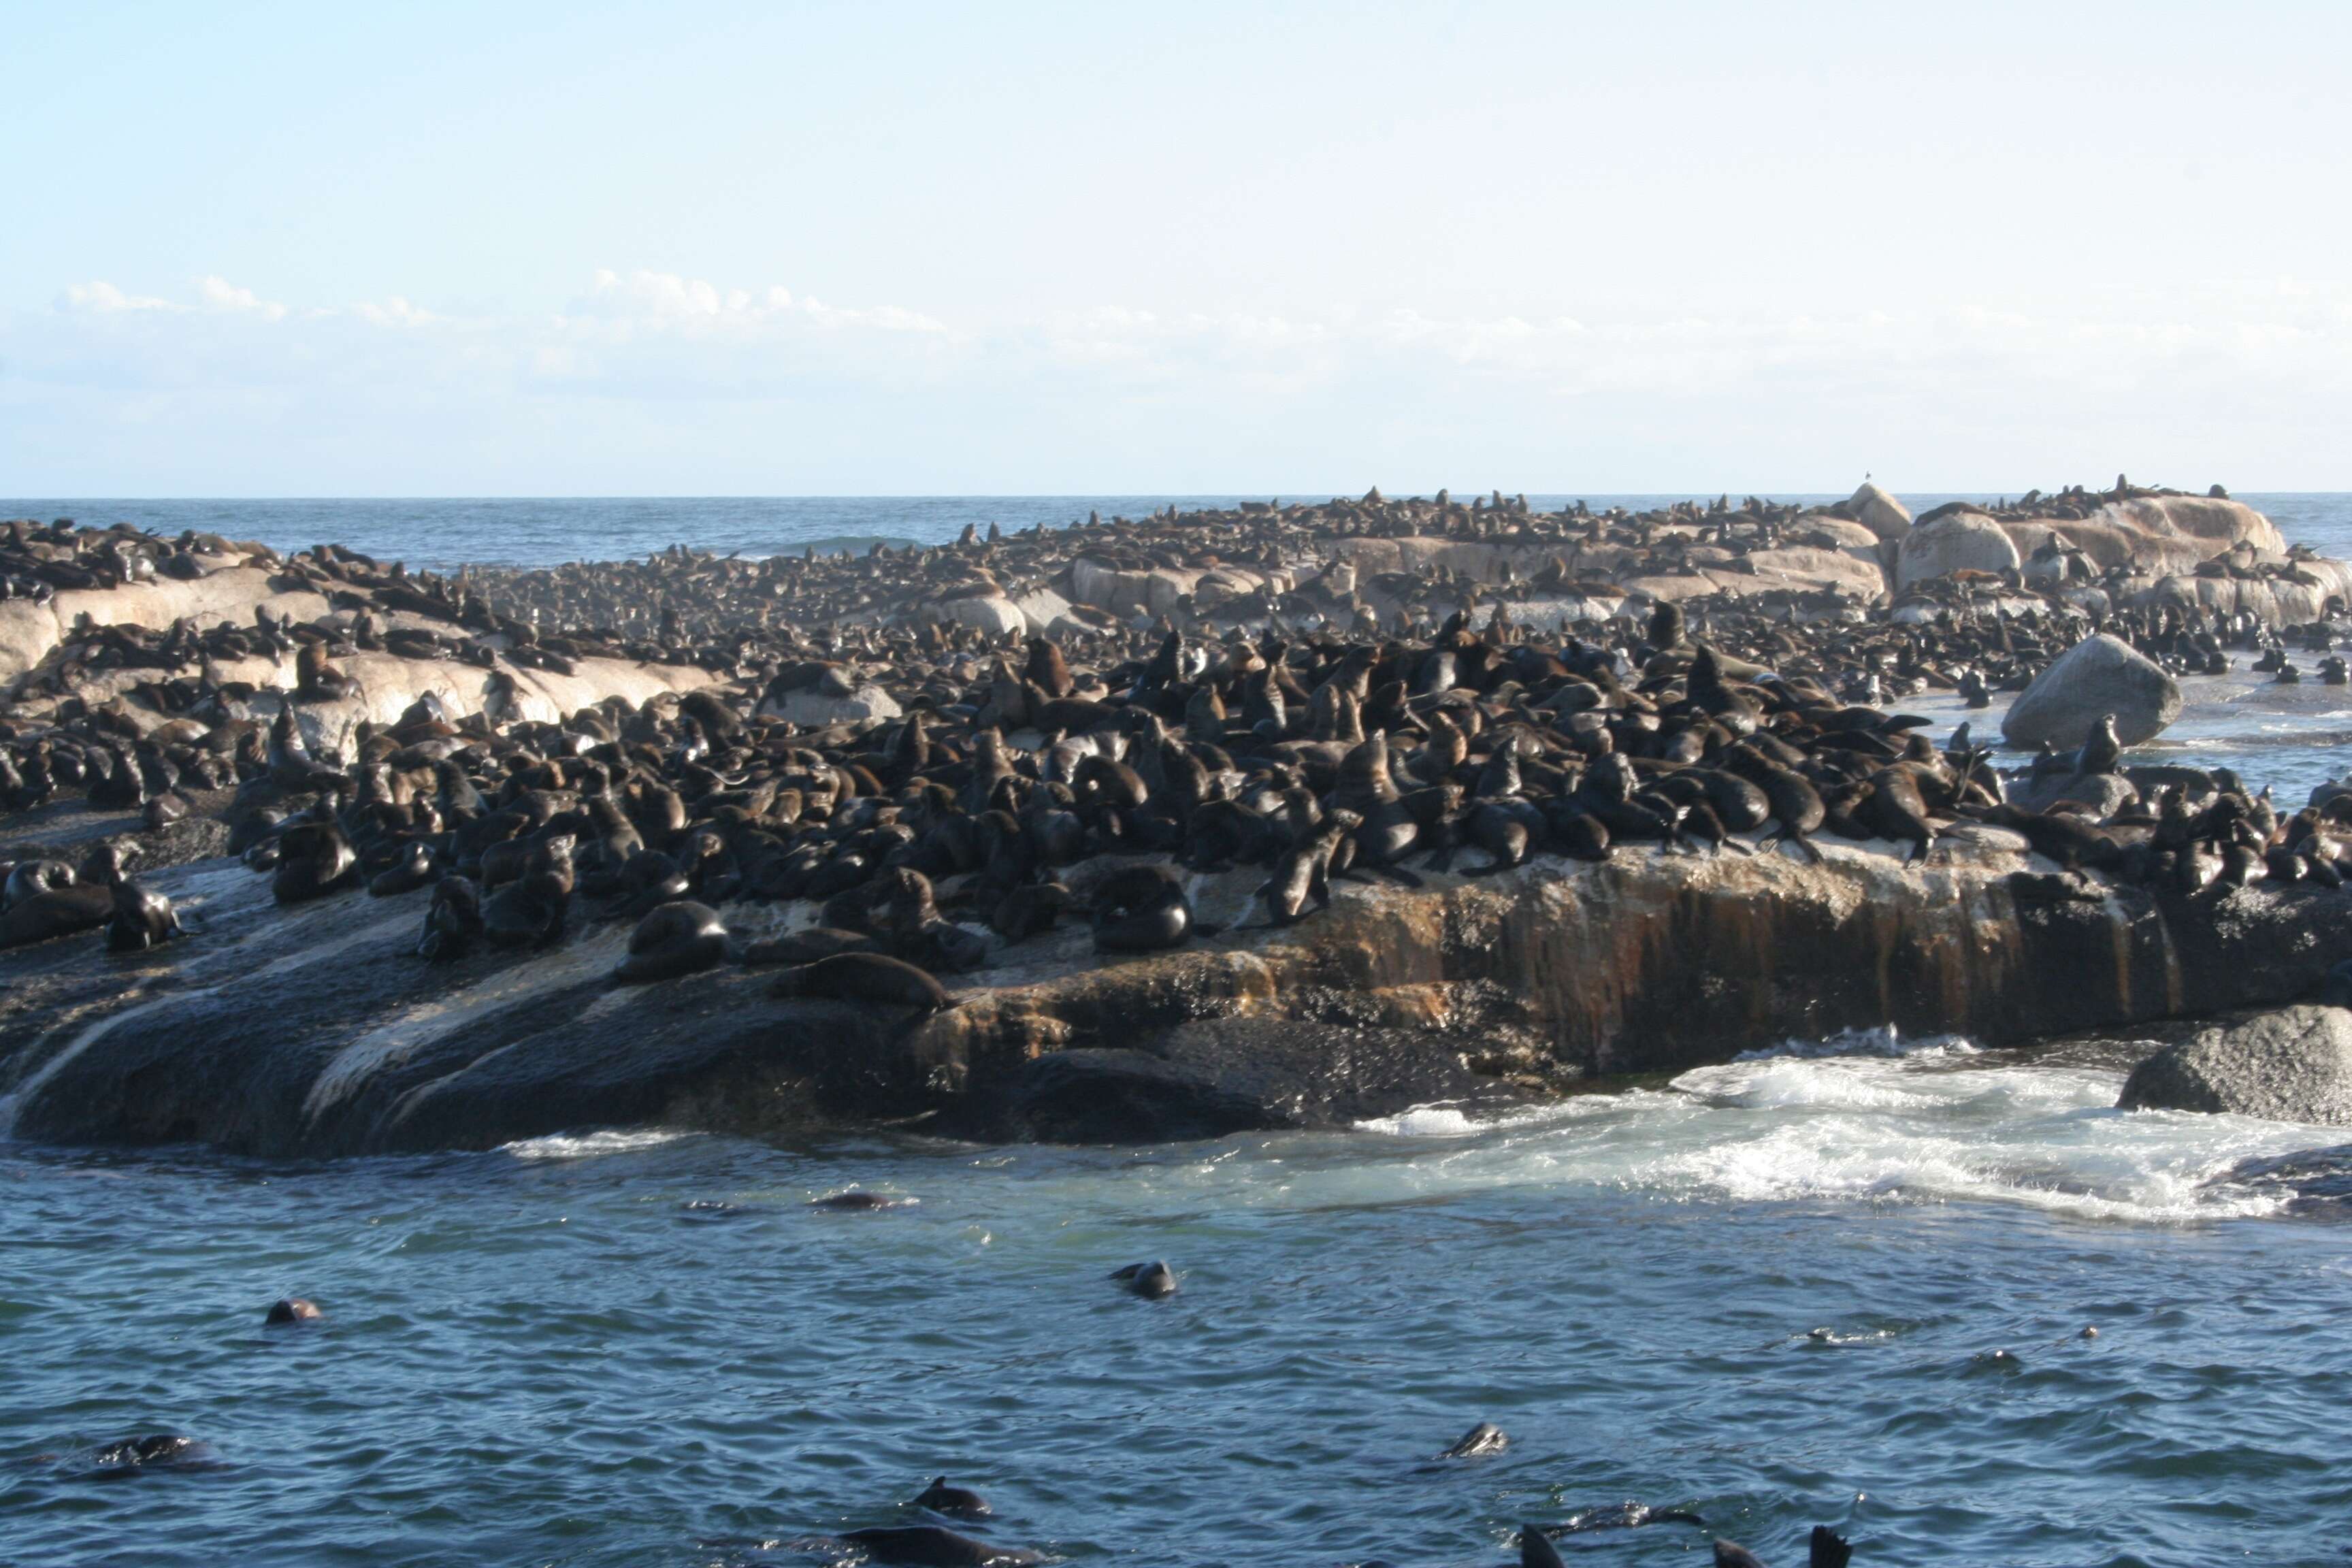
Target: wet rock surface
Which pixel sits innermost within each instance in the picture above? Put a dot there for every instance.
(2291, 1065)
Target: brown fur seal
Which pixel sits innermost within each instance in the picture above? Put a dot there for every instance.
(864, 977)
(292, 1310)
(1152, 1281)
(680, 937)
(314, 860)
(1142, 909)
(142, 918)
(453, 921)
(929, 1546)
(962, 1502)
(801, 947)
(60, 912)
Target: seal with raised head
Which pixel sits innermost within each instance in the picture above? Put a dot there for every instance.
(1152, 1281)
(1482, 1439)
(143, 918)
(453, 921)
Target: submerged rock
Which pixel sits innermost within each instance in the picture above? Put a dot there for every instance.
(2292, 1064)
(2098, 676)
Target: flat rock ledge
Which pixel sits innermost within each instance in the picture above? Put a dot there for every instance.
(312, 1031)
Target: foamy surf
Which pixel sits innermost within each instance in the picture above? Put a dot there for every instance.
(1920, 1125)
(588, 1145)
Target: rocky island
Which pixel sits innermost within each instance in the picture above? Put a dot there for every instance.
(1141, 828)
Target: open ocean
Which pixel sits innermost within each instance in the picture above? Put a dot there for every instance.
(1844, 1286)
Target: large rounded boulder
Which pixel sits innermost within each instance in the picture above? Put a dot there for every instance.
(1878, 512)
(2293, 1065)
(1956, 541)
(2098, 676)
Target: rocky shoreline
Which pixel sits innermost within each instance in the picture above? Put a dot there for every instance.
(1326, 846)
(315, 1032)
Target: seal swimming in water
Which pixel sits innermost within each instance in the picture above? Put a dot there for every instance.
(680, 937)
(1152, 1281)
(929, 1546)
(960, 1503)
(292, 1310)
(1484, 1438)
(855, 1201)
(1824, 1549)
(864, 977)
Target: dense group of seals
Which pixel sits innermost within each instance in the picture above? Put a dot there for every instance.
(1029, 780)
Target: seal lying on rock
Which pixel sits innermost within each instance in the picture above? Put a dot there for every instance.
(142, 918)
(61, 912)
(676, 939)
(864, 977)
(1142, 909)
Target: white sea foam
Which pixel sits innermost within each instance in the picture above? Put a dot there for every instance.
(588, 1145)
(1925, 1126)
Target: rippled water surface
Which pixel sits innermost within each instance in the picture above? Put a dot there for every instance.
(1773, 1293)
(1844, 1289)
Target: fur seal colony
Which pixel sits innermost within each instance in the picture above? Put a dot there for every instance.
(1429, 773)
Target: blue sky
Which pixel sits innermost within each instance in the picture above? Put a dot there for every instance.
(777, 248)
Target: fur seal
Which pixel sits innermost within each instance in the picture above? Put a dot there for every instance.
(314, 860)
(418, 866)
(804, 947)
(864, 977)
(452, 923)
(857, 1201)
(1824, 1549)
(60, 912)
(142, 918)
(292, 1310)
(2100, 749)
(35, 876)
(1142, 909)
(929, 1546)
(1484, 1438)
(680, 937)
(529, 911)
(1152, 1281)
(960, 1503)
(162, 1451)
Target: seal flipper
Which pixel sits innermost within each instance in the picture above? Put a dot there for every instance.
(1828, 1549)
(1535, 1549)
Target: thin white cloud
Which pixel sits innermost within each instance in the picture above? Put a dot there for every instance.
(101, 297)
(878, 390)
(220, 294)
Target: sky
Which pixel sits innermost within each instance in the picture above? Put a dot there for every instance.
(718, 250)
